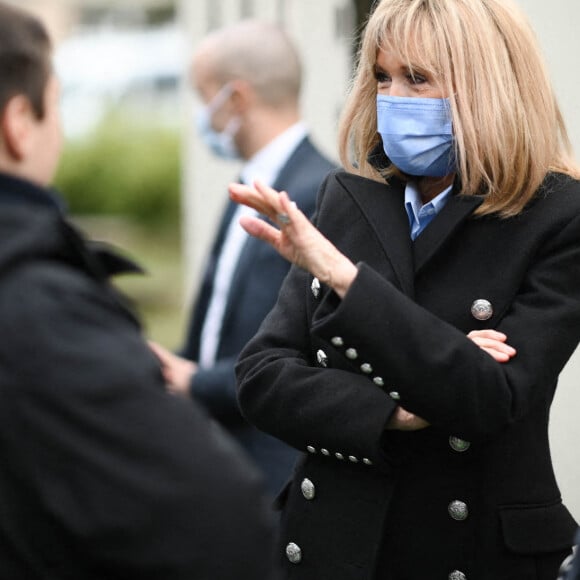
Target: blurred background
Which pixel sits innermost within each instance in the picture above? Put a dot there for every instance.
(135, 174)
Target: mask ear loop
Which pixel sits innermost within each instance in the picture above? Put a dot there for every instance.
(220, 98)
(233, 126)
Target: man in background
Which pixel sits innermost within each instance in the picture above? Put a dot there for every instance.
(249, 78)
(103, 475)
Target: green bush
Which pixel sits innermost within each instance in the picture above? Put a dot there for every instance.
(126, 169)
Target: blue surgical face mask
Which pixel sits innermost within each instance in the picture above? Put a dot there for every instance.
(221, 143)
(417, 134)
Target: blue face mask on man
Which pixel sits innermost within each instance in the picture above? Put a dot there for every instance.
(221, 143)
(417, 134)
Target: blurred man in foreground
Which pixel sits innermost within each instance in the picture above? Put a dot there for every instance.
(104, 474)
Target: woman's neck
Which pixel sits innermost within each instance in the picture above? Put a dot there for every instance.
(430, 187)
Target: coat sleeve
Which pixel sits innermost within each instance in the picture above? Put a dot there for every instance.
(120, 478)
(285, 393)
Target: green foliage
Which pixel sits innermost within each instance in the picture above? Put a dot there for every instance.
(125, 169)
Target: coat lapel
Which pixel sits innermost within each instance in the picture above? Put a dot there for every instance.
(384, 208)
(457, 209)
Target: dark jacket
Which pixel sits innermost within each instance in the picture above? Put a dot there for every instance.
(474, 495)
(103, 474)
(255, 284)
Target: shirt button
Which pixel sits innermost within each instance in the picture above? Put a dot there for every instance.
(457, 575)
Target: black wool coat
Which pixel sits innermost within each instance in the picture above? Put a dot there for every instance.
(103, 474)
(473, 495)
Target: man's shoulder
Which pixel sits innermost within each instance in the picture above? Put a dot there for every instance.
(304, 173)
(308, 153)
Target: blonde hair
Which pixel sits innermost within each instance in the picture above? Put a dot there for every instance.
(508, 129)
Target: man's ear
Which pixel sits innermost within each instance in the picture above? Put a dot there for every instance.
(243, 95)
(16, 124)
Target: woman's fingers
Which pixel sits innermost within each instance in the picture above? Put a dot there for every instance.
(258, 228)
(402, 420)
(264, 200)
(494, 343)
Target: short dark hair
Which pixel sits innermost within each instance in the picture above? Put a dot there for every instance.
(25, 49)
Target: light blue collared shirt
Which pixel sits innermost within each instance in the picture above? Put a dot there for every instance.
(420, 215)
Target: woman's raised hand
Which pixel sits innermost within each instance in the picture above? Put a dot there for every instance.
(295, 238)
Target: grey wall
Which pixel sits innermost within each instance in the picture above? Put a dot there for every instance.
(556, 25)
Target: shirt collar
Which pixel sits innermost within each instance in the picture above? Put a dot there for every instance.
(414, 205)
(266, 164)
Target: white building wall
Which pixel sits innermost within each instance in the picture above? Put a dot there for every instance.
(556, 25)
(316, 27)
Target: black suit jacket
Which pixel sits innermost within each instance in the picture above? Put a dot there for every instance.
(474, 493)
(256, 281)
(103, 474)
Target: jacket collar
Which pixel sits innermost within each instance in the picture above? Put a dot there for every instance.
(384, 209)
(36, 224)
(377, 200)
(17, 191)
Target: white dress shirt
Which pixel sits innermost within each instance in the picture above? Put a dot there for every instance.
(265, 166)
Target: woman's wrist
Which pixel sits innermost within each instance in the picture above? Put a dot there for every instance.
(341, 276)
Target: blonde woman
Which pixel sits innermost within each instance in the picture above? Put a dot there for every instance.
(416, 345)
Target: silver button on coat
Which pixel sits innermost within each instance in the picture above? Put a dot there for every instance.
(457, 575)
(482, 309)
(351, 353)
(337, 341)
(308, 489)
(294, 553)
(379, 381)
(315, 287)
(310, 449)
(322, 358)
(459, 445)
(395, 396)
(458, 510)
